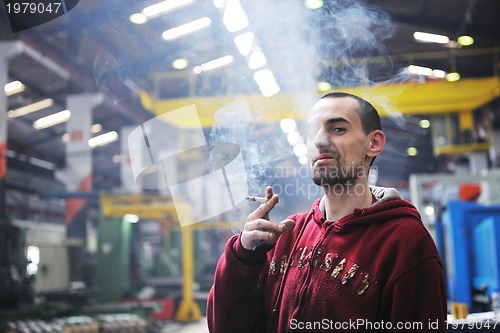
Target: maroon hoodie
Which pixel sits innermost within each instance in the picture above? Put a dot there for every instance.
(376, 269)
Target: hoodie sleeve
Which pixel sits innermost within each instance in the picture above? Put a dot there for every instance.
(235, 302)
(419, 297)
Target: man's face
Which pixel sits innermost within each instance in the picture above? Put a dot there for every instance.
(336, 142)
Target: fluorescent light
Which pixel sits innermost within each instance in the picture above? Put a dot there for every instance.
(130, 218)
(187, 28)
(465, 40)
(234, 17)
(439, 73)
(95, 128)
(266, 82)
(288, 125)
(313, 4)
(244, 43)
(257, 60)
(426, 71)
(180, 63)
(430, 38)
(216, 63)
(293, 138)
(324, 86)
(164, 7)
(412, 151)
(303, 160)
(420, 70)
(52, 120)
(452, 77)
(300, 149)
(103, 139)
(138, 18)
(13, 87)
(31, 108)
(425, 123)
(429, 210)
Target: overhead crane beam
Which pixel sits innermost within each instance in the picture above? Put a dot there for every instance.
(412, 98)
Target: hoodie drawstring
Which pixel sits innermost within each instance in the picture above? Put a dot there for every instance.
(294, 247)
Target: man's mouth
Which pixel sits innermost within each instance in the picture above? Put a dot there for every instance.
(324, 157)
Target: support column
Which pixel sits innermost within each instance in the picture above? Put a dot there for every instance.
(78, 176)
(7, 50)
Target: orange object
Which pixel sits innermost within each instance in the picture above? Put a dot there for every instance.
(469, 192)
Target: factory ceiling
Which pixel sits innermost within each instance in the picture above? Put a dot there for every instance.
(96, 48)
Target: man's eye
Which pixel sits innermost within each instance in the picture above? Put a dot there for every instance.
(337, 129)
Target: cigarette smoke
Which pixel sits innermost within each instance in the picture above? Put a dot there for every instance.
(332, 44)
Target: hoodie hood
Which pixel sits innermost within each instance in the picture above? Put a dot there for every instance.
(387, 205)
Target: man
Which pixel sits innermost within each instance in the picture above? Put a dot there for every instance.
(358, 261)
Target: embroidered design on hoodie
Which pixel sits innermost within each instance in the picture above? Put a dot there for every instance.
(365, 284)
(350, 273)
(341, 268)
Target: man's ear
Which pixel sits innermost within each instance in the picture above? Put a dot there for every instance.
(376, 144)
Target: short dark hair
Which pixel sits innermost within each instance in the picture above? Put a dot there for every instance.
(370, 119)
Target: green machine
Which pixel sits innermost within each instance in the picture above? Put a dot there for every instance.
(112, 277)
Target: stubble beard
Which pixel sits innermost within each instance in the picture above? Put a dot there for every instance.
(339, 174)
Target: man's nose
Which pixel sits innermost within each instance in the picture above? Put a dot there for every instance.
(321, 139)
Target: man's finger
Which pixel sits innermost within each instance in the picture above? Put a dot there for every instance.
(263, 224)
(287, 224)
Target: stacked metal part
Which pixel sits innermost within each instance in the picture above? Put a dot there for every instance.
(112, 323)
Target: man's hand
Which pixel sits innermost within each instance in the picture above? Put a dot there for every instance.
(259, 230)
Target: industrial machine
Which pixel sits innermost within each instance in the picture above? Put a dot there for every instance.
(15, 285)
(471, 252)
(156, 256)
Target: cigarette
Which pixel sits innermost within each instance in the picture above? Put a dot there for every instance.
(254, 198)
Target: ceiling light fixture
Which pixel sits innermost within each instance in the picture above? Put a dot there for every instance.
(412, 151)
(303, 160)
(138, 18)
(180, 63)
(452, 77)
(300, 149)
(130, 218)
(13, 87)
(37, 106)
(324, 86)
(186, 29)
(313, 4)
(216, 63)
(430, 38)
(293, 138)
(266, 82)
(257, 60)
(426, 71)
(288, 125)
(95, 128)
(52, 120)
(244, 43)
(103, 139)
(164, 7)
(425, 123)
(465, 40)
(234, 17)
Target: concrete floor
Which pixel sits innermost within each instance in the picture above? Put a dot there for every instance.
(199, 327)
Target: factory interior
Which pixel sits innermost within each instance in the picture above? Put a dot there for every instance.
(132, 131)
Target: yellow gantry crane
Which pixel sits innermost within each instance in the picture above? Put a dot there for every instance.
(160, 208)
(450, 105)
